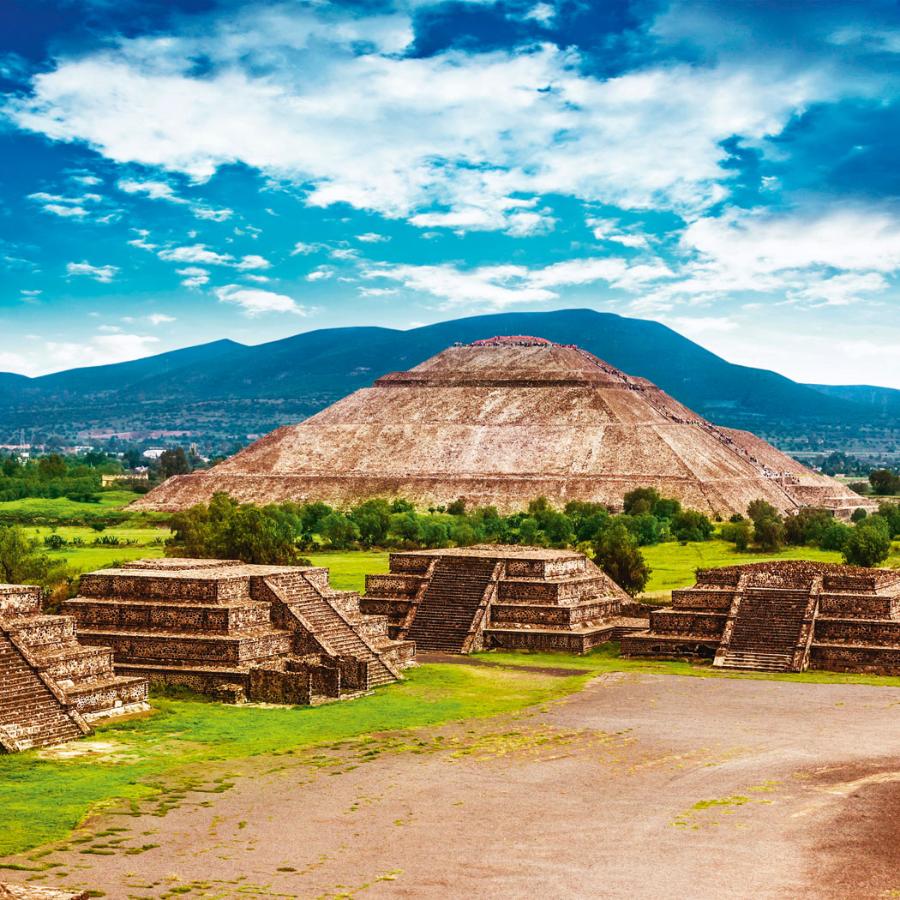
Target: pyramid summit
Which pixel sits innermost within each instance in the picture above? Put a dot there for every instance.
(499, 422)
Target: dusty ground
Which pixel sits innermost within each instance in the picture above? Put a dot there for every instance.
(639, 786)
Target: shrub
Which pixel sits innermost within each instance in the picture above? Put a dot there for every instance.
(691, 525)
(868, 544)
(617, 553)
(740, 533)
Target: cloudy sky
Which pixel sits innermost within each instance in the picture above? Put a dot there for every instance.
(176, 171)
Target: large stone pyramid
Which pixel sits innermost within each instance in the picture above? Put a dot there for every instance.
(500, 422)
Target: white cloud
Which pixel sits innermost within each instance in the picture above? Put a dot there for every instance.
(101, 349)
(507, 285)
(303, 249)
(457, 140)
(196, 253)
(376, 292)
(193, 276)
(255, 301)
(320, 273)
(808, 257)
(541, 12)
(371, 237)
(252, 262)
(65, 207)
(154, 190)
(162, 190)
(104, 274)
(160, 319)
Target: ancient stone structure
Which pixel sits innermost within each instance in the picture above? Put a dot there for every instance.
(519, 598)
(782, 616)
(51, 686)
(33, 892)
(503, 421)
(271, 633)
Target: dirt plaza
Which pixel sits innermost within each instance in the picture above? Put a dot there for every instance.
(639, 785)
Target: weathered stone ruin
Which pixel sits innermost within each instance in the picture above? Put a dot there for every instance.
(32, 892)
(500, 422)
(280, 634)
(51, 686)
(518, 598)
(782, 617)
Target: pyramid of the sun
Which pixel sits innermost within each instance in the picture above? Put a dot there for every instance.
(500, 422)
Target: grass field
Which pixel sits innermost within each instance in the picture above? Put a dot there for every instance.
(135, 543)
(158, 758)
(63, 508)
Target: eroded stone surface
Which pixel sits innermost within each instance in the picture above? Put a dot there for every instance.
(500, 422)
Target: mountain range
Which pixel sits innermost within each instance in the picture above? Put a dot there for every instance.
(223, 390)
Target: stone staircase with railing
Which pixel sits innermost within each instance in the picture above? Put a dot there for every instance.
(32, 714)
(331, 619)
(445, 616)
(768, 629)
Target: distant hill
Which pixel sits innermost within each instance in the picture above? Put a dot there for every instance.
(881, 400)
(226, 390)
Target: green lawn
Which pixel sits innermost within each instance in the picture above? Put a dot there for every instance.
(161, 757)
(673, 564)
(62, 507)
(42, 800)
(147, 541)
(349, 569)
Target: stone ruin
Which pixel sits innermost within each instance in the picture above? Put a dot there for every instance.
(279, 634)
(52, 686)
(500, 422)
(519, 598)
(33, 892)
(781, 617)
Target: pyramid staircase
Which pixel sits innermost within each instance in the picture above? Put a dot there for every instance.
(768, 629)
(447, 612)
(32, 714)
(51, 685)
(333, 620)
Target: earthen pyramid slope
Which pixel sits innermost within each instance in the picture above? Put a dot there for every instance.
(502, 421)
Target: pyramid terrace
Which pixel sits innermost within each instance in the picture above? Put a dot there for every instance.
(517, 598)
(782, 617)
(52, 686)
(280, 634)
(500, 422)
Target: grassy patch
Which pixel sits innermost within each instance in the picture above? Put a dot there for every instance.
(42, 800)
(349, 569)
(674, 564)
(63, 507)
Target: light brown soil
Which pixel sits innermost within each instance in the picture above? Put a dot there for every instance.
(640, 786)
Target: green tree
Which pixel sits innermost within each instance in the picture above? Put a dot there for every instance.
(740, 533)
(834, 537)
(884, 481)
(640, 500)
(768, 533)
(339, 530)
(691, 525)
(22, 562)
(807, 526)
(617, 553)
(373, 519)
(174, 462)
(868, 544)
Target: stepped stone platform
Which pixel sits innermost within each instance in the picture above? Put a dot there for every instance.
(500, 422)
(278, 634)
(52, 686)
(519, 598)
(784, 616)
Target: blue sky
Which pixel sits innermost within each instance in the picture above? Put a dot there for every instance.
(177, 172)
